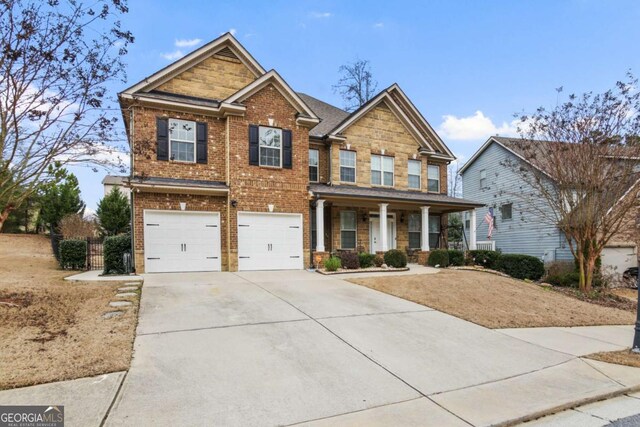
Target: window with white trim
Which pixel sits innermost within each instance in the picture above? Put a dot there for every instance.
(433, 178)
(182, 139)
(314, 156)
(347, 166)
(415, 168)
(434, 231)
(506, 211)
(483, 179)
(270, 143)
(415, 231)
(348, 230)
(382, 170)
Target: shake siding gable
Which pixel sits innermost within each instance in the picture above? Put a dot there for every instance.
(526, 233)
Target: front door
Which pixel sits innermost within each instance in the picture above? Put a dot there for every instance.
(374, 234)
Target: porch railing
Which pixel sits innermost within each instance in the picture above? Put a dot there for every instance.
(488, 245)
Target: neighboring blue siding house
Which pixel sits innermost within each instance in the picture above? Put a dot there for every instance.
(487, 179)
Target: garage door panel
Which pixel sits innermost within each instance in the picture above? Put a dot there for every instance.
(269, 241)
(178, 241)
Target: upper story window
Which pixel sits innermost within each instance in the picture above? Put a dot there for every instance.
(506, 211)
(314, 156)
(270, 143)
(433, 178)
(415, 167)
(483, 178)
(182, 140)
(347, 166)
(382, 170)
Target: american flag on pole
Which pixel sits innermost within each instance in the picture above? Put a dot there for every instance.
(489, 218)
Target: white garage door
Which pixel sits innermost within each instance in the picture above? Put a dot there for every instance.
(617, 259)
(181, 241)
(269, 241)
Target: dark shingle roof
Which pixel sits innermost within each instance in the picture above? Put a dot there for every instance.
(330, 116)
(391, 194)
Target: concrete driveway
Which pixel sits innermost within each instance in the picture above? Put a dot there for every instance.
(282, 348)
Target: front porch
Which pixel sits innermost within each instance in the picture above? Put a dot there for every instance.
(349, 219)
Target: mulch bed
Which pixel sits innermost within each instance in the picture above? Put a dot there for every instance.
(603, 298)
(362, 270)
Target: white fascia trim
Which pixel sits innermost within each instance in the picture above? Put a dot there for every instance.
(197, 55)
(407, 122)
(223, 109)
(173, 189)
(282, 86)
(353, 118)
(422, 119)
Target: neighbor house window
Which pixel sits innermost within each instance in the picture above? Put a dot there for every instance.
(415, 224)
(415, 167)
(348, 229)
(182, 137)
(270, 142)
(382, 170)
(347, 166)
(434, 231)
(314, 156)
(314, 228)
(483, 179)
(467, 220)
(506, 211)
(433, 176)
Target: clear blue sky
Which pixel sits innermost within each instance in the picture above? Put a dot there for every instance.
(467, 65)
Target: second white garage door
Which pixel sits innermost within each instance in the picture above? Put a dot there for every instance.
(616, 259)
(269, 241)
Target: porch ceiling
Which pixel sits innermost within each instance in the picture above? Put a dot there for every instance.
(346, 195)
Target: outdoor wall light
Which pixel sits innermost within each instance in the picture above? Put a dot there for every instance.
(183, 206)
(401, 218)
(234, 203)
(270, 208)
(364, 217)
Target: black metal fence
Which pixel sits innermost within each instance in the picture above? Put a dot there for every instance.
(95, 251)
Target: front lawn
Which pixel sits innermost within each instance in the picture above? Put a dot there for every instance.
(53, 329)
(496, 302)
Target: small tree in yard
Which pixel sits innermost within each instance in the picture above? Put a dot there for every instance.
(356, 86)
(58, 199)
(582, 163)
(56, 59)
(114, 213)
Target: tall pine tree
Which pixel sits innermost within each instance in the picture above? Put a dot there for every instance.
(114, 213)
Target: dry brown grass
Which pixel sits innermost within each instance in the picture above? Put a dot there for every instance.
(496, 302)
(631, 294)
(622, 357)
(52, 329)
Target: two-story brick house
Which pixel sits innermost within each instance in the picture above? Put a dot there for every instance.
(231, 169)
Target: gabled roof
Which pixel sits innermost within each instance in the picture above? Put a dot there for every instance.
(329, 114)
(406, 112)
(225, 41)
(272, 77)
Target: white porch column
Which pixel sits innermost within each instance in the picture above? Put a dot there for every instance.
(472, 230)
(424, 230)
(383, 227)
(319, 225)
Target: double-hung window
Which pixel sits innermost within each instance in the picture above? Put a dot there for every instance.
(434, 231)
(348, 229)
(270, 143)
(314, 156)
(415, 230)
(507, 211)
(347, 166)
(182, 139)
(415, 167)
(382, 170)
(433, 178)
(483, 179)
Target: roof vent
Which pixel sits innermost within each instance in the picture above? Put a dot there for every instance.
(227, 52)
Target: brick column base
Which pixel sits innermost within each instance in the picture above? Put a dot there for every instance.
(323, 256)
(423, 257)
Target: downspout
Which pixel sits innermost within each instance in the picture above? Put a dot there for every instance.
(131, 195)
(228, 182)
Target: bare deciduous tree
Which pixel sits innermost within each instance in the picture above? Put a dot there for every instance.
(356, 86)
(56, 58)
(583, 159)
(455, 182)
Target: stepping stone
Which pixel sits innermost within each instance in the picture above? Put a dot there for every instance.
(128, 288)
(126, 295)
(120, 303)
(133, 284)
(112, 314)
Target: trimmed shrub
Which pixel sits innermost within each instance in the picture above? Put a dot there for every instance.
(378, 261)
(366, 260)
(569, 279)
(73, 254)
(395, 258)
(521, 266)
(114, 249)
(350, 260)
(438, 257)
(332, 264)
(456, 258)
(487, 259)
